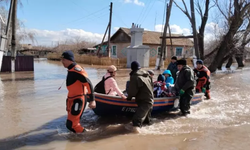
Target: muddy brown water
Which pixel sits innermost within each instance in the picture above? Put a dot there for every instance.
(32, 116)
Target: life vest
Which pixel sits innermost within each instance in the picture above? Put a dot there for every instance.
(205, 69)
(77, 88)
(204, 79)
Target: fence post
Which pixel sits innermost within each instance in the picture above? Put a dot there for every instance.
(90, 60)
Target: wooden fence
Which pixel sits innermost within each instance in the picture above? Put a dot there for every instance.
(94, 60)
(22, 63)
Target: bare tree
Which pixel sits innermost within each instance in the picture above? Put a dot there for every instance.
(236, 16)
(203, 16)
(75, 44)
(22, 33)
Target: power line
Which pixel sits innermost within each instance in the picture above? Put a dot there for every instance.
(82, 9)
(87, 15)
(148, 12)
(142, 12)
(90, 18)
(120, 19)
(155, 20)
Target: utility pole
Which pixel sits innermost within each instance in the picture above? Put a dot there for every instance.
(13, 39)
(171, 41)
(196, 47)
(107, 29)
(100, 47)
(110, 21)
(163, 43)
(5, 36)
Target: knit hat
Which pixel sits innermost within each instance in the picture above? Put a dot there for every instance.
(161, 78)
(111, 69)
(199, 62)
(182, 62)
(135, 66)
(68, 55)
(174, 58)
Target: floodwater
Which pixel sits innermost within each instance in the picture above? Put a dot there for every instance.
(33, 115)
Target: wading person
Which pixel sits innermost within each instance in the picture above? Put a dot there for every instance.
(141, 87)
(184, 85)
(173, 67)
(80, 90)
(203, 81)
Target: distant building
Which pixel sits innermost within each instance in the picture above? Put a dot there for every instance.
(87, 51)
(120, 40)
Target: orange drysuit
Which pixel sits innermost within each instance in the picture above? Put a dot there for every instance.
(80, 90)
(203, 80)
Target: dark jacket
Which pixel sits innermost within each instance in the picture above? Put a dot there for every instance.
(185, 79)
(141, 87)
(173, 68)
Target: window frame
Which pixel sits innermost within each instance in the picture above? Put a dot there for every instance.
(112, 50)
(177, 48)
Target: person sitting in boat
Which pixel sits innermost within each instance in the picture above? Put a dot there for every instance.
(161, 89)
(203, 81)
(111, 87)
(168, 77)
(159, 86)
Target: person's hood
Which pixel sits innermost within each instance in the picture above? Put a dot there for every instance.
(167, 72)
(185, 67)
(140, 73)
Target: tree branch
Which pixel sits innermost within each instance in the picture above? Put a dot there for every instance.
(246, 34)
(185, 12)
(185, 5)
(212, 6)
(216, 3)
(205, 17)
(211, 53)
(244, 9)
(198, 9)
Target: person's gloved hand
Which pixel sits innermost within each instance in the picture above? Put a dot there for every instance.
(203, 90)
(181, 92)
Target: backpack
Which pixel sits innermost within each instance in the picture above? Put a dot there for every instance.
(100, 88)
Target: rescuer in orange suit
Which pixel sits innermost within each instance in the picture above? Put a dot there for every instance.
(203, 81)
(80, 90)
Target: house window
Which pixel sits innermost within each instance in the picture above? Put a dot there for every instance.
(114, 52)
(159, 50)
(178, 51)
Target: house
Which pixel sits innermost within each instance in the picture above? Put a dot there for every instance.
(120, 40)
(36, 51)
(87, 51)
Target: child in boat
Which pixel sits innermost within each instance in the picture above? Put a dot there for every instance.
(163, 88)
(111, 87)
(168, 77)
(159, 86)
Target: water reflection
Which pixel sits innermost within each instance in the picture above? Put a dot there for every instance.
(33, 113)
